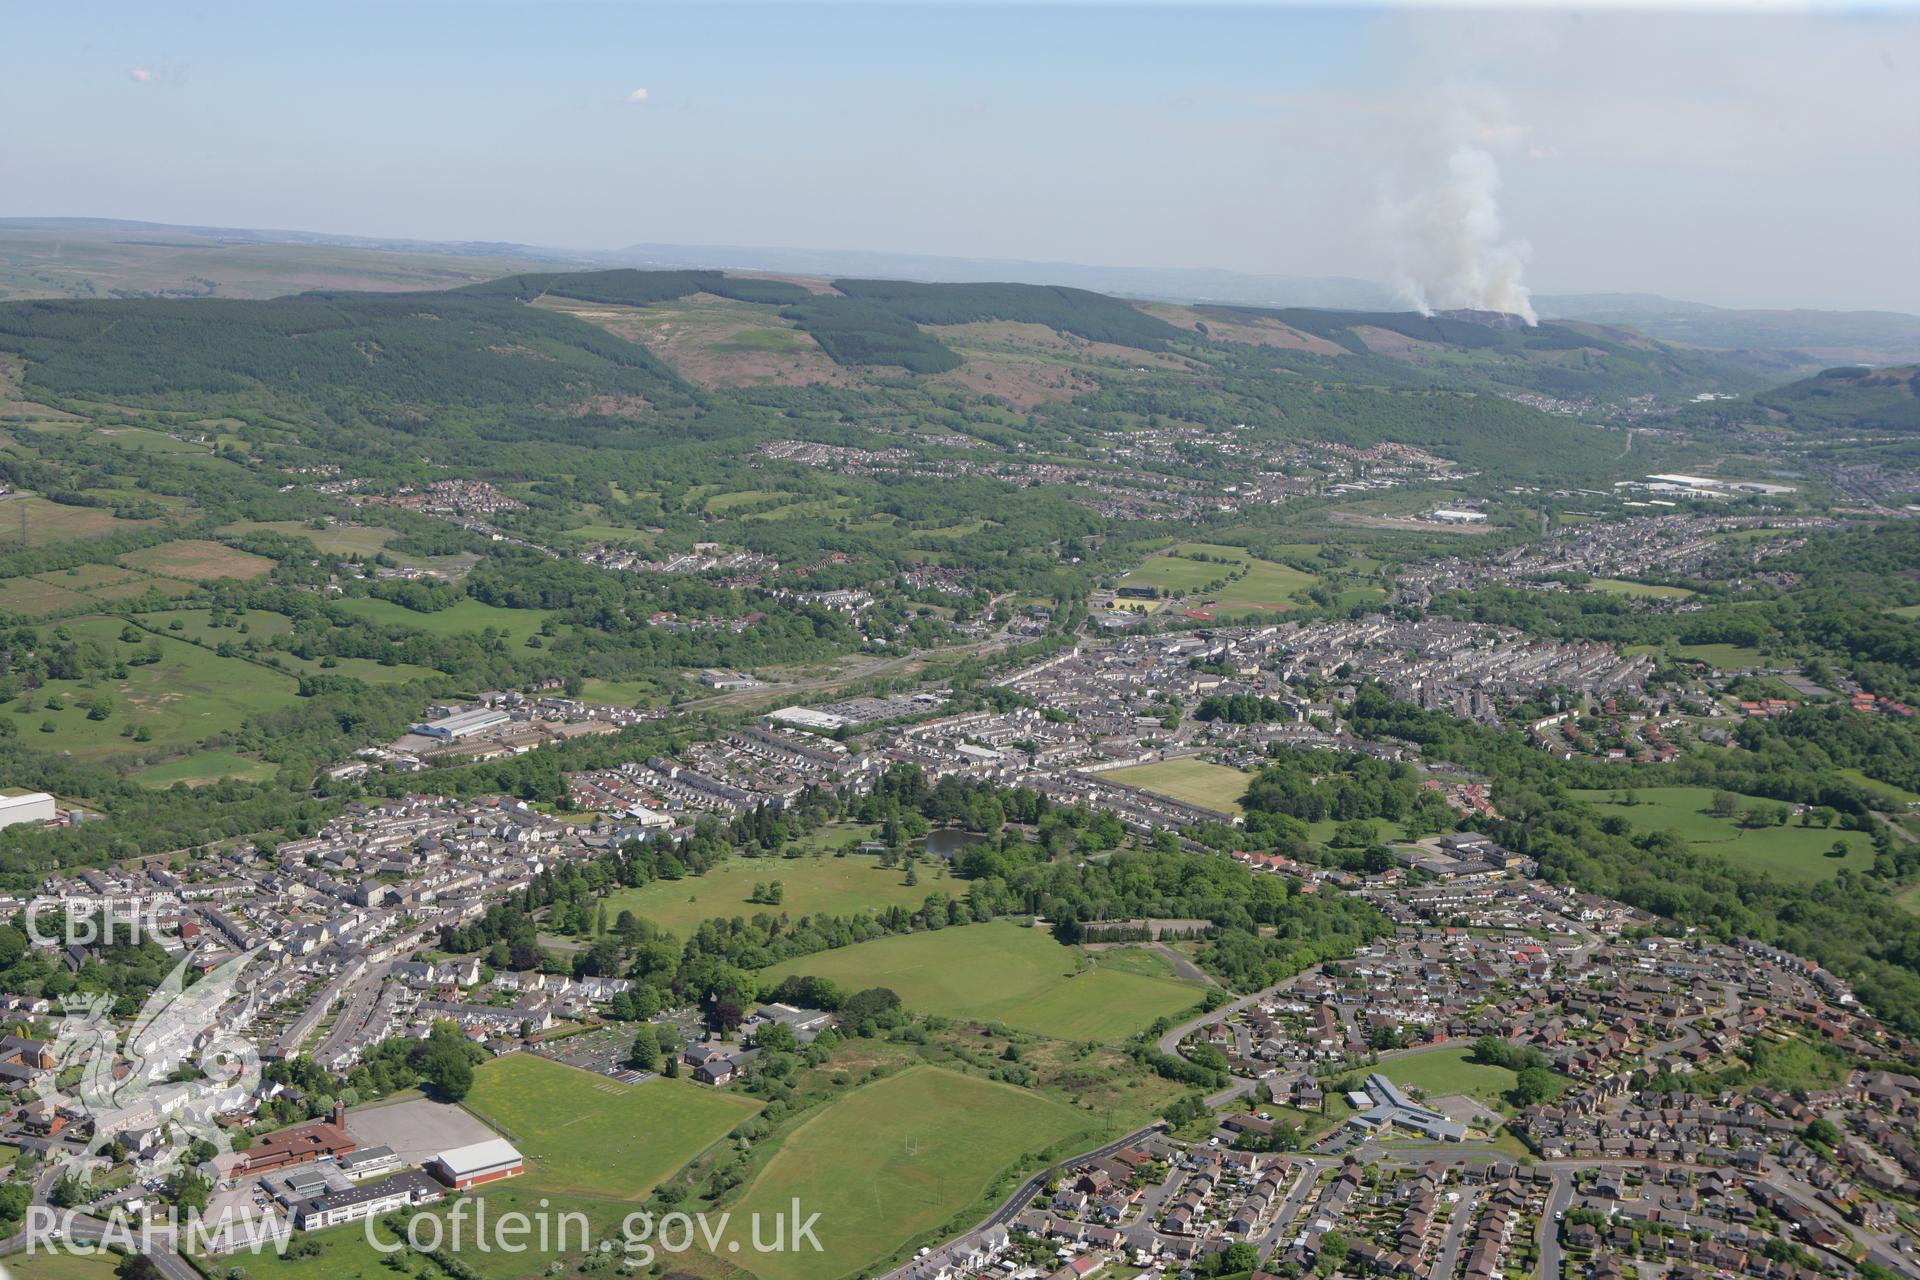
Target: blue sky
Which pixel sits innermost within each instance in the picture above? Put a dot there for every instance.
(1710, 154)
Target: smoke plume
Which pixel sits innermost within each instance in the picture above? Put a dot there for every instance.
(1441, 212)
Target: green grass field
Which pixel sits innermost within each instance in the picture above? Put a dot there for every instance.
(836, 886)
(1192, 780)
(465, 617)
(1647, 590)
(190, 693)
(1727, 657)
(1792, 851)
(42, 1265)
(1265, 586)
(48, 522)
(1446, 1071)
(195, 560)
(585, 1135)
(197, 625)
(893, 1160)
(1002, 972)
(362, 542)
(203, 767)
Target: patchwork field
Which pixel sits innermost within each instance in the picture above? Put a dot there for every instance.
(1192, 780)
(356, 540)
(48, 522)
(893, 1160)
(587, 1135)
(1002, 972)
(197, 561)
(1792, 851)
(835, 886)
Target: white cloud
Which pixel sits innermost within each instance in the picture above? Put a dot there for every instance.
(141, 75)
(637, 96)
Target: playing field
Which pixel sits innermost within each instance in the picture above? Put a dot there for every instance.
(829, 885)
(893, 1160)
(1002, 972)
(1646, 590)
(466, 616)
(587, 1135)
(1446, 1071)
(1727, 657)
(1791, 851)
(1191, 780)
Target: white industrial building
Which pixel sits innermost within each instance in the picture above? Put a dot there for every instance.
(463, 724)
(29, 806)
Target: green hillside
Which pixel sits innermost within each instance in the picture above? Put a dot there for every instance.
(372, 349)
(1850, 398)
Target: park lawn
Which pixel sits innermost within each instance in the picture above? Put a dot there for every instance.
(465, 617)
(1908, 899)
(1906, 611)
(814, 886)
(1190, 780)
(197, 561)
(1388, 831)
(891, 1161)
(203, 767)
(1791, 851)
(1646, 590)
(583, 1134)
(188, 695)
(1000, 972)
(1441, 1072)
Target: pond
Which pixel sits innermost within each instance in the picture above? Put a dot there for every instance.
(947, 841)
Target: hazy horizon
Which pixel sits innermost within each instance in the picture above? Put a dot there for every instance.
(1465, 157)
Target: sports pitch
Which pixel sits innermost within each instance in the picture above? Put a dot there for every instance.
(587, 1135)
(1192, 781)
